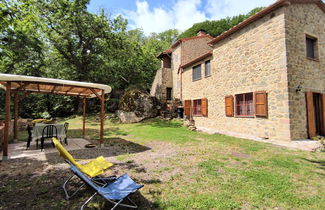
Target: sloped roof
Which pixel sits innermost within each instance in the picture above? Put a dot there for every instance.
(52, 86)
(264, 12)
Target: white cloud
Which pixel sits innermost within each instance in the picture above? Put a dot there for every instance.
(182, 14)
(217, 9)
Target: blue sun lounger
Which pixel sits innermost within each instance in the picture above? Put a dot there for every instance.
(115, 192)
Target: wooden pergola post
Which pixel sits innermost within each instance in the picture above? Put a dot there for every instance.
(16, 116)
(84, 118)
(7, 121)
(102, 116)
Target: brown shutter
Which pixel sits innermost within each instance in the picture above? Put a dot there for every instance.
(187, 107)
(204, 107)
(229, 100)
(323, 114)
(261, 104)
(310, 115)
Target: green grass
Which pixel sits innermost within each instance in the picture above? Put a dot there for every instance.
(215, 171)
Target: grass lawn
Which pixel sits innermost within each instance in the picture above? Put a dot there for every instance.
(182, 169)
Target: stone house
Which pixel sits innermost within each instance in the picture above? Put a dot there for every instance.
(166, 85)
(264, 78)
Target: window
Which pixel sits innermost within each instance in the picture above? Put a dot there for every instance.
(244, 104)
(197, 108)
(196, 74)
(311, 47)
(207, 69)
(169, 93)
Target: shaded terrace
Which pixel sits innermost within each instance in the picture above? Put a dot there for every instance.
(18, 86)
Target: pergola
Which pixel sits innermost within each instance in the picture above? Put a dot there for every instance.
(15, 84)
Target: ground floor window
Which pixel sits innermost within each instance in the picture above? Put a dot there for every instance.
(197, 107)
(245, 105)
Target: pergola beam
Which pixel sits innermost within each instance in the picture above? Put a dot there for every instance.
(16, 115)
(7, 121)
(96, 94)
(102, 117)
(53, 89)
(55, 93)
(84, 117)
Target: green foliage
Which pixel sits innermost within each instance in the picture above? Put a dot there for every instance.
(217, 27)
(61, 39)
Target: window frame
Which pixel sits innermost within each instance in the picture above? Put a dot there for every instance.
(245, 104)
(314, 46)
(193, 79)
(197, 107)
(205, 68)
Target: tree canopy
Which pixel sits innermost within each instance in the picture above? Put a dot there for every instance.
(217, 27)
(62, 39)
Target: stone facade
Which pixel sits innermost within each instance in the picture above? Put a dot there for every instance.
(302, 20)
(163, 80)
(252, 59)
(265, 53)
(183, 51)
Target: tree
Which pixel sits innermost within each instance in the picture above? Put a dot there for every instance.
(21, 45)
(217, 27)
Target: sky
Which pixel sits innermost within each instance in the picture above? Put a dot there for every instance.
(160, 15)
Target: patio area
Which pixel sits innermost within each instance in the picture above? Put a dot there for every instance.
(18, 149)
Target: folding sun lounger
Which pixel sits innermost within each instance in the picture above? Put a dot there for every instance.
(115, 192)
(92, 169)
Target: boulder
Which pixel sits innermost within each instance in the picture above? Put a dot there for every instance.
(136, 105)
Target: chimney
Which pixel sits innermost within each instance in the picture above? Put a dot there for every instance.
(201, 32)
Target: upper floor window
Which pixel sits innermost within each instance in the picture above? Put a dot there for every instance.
(244, 104)
(196, 74)
(311, 47)
(207, 69)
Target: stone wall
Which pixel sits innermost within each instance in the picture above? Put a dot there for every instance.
(186, 51)
(176, 62)
(302, 19)
(194, 48)
(252, 59)
(163, 80)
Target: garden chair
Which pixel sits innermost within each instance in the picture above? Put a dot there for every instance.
(115, 192)
(49, 131)
(92, 169)
(66, 126)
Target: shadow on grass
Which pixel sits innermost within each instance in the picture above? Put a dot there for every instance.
(94, 133)
(113, 147)
(161, 123)
(320, 163)
(29, 185)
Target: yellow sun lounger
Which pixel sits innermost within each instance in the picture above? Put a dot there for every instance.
(93, 168)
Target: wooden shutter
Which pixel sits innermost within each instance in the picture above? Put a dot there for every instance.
(204, 106)
(323, 114)
(187, 107)
(261, 104)
(229, 102)
(310, 115)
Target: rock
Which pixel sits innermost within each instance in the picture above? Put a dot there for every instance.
(137, 105)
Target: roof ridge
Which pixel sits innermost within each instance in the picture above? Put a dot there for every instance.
(262, 13)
